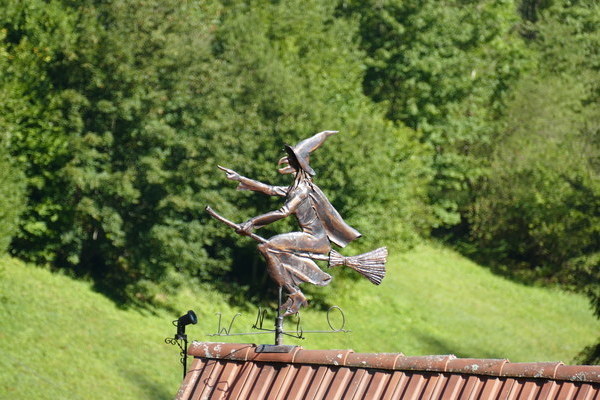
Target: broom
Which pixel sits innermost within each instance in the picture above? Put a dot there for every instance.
(371, 265)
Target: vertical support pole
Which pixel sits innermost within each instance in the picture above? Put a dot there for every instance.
(279, 323)
(184, 355)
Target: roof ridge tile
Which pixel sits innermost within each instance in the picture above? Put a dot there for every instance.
(221, 350)
(436, 363)
(323, 357)
(543, 370)
(578, 373)
(373, 360)
(477, 366)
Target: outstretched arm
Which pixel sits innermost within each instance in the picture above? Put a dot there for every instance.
(288, 208)
(251, 184)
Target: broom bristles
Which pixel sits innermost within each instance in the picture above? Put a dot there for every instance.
(371, 265)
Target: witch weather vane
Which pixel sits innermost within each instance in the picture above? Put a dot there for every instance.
(290, 257)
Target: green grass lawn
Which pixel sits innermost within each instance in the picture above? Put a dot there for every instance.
(59, 339)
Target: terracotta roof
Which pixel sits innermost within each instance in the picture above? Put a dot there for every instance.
(247, 371)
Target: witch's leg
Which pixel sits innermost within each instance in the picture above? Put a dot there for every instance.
(280, 246)
(295, 301)
(296, 298)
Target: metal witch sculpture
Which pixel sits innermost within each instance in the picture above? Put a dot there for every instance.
(291, 256)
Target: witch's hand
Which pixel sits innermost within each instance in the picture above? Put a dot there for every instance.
(245, 228)
(230, 174)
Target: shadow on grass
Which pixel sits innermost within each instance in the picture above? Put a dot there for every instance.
(519, 268)
(438, 346)
(150, 387)
(589, 355)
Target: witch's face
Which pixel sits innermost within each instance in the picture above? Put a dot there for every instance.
(287, 167)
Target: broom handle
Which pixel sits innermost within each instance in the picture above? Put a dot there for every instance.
(260, 239)
(233, 225)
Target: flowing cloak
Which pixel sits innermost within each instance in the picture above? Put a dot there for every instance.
(338, 231)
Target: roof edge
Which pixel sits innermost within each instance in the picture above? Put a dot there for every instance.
(398, 361)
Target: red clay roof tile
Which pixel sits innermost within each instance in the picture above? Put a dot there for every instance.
(372, 360)
(492, 367)
(230, 351)
(323, 357)
(243, 371)
(531, 370)
(578, 373)
(424, 363)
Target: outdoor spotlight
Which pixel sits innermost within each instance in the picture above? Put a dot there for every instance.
(182, 322)
(180, 337)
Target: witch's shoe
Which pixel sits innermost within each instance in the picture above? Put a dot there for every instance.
(294, 302)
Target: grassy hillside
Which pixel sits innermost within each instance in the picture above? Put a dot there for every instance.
(59, 339)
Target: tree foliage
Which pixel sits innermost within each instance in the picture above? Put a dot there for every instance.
(441, 69)
(538, 211)
(105, 131)
(12, 196)
(12, 179)
(139, 102)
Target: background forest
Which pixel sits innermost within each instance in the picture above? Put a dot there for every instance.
(475, 123)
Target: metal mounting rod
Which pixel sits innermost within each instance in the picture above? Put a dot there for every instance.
(279, 322)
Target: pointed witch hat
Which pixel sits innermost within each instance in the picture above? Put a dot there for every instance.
(299, 155)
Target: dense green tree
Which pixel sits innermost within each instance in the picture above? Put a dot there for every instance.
(538, 212)
(12, 194)
(12, 185)
(441, 68)
(539, 205)
(106, 135)
(12, 179)
(33, 35)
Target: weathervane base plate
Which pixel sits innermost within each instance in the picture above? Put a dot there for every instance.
(275, 348)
